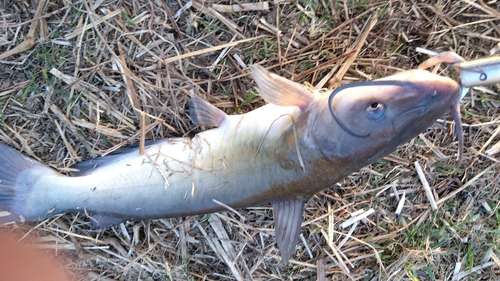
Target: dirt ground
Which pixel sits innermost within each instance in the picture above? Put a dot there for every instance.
(79, 79)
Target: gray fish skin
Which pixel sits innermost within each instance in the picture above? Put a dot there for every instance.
(284, 151)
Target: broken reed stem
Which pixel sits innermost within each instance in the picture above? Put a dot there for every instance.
(29, 40)
(426, 186)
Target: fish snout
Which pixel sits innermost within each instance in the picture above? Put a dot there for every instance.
(433, 87)
(429, 97)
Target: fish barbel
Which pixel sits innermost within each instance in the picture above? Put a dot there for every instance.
(281, 153)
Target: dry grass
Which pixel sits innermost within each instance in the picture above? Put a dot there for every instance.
(93, 76)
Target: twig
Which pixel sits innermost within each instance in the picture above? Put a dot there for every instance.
(335, 80)
(29, 40)
(426, 186)
(209, 50)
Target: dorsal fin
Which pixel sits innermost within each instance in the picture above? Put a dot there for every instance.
(205, 114)
(279, 90)
(287, 221)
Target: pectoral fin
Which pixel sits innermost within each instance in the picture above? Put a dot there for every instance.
(279, 90)
(287, 221)
(205, 114)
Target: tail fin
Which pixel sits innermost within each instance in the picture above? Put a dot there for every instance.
(12, 195)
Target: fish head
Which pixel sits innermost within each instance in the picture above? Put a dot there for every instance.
(363, 122)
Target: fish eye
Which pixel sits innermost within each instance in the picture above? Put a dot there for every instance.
(375, 110)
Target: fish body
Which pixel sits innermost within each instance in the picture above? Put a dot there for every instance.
(281, 153)
(174, 177)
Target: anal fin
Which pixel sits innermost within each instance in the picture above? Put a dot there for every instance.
(287, 220)
(205, 114)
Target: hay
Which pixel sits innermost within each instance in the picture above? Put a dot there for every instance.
(81, 79)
